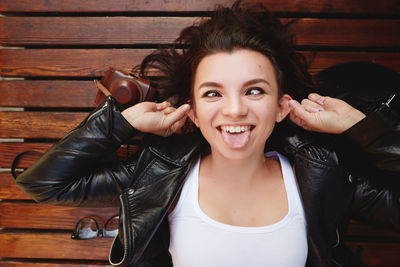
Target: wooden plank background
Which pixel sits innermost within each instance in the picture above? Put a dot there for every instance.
(50, 52)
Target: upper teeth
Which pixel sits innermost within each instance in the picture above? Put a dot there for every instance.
(235, 129)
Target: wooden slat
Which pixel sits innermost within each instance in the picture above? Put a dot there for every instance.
(347, 32)
(52, 246)
(325, 6)
(8, 151)
(38, 124)
(67, 62)
(358, 229)
(41, 216)
(378, 254)
(94, 62)
(8, 188)
(20, 31)
(91, 30)
(323, 60)
(63, 94)
(25, 263)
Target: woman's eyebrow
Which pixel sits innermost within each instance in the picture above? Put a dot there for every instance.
(209, 84)
(247, 83)
(257, 80)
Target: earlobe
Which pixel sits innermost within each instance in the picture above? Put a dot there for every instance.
(192, 116)
(284, 107)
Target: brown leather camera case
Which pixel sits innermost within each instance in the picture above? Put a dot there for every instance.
(126, 89)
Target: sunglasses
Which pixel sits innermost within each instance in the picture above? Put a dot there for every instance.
(88, 227)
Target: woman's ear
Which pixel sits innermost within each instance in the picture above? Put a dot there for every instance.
(192, 115)
(284, 107)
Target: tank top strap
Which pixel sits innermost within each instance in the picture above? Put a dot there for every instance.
(291, 186)
(184, 205)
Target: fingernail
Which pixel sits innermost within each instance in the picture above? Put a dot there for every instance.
(186, 107)
(319, 99)
(292, 103)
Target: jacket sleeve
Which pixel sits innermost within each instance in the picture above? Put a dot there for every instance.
(82, 168)
(374, 153)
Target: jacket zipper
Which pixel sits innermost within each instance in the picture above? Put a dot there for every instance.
(88, 118)
(337, 238)
(123, 206)
(337, 263)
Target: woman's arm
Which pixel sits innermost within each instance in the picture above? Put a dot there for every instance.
(82, 168)
(370, 148)
(374, 143)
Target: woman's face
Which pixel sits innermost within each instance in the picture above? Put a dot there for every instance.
(236, 102)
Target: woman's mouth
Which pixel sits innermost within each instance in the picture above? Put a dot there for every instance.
(235, 129)
(236, 136)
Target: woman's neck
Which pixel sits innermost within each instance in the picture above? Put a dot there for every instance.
(238, 172)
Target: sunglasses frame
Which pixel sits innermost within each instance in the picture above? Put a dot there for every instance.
(99, 232)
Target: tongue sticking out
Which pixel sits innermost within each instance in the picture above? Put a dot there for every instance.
(236, 140)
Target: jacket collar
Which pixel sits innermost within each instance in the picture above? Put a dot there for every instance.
(177, 149)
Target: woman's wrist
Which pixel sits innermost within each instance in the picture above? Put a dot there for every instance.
(354, 117)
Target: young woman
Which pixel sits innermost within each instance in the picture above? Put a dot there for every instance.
(211, 196)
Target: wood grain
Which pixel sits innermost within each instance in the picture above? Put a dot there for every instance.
(38, 124)
(62, 94)
(357, 229)
(68, 62)
(9, 190)
(53, 263)
(48, 245)
(18, 31)
(8, 151)
(378, 254)
(41, 216)
(324, 6)
(95, 62)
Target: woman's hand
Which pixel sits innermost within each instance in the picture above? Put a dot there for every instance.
(324, 114)
(157, 118)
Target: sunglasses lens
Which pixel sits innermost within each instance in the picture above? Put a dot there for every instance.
(86, 228)
(111, 227)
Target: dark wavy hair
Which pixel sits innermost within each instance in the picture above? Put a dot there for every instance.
(243, 26)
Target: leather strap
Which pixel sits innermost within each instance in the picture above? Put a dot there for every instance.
(18, 157)
(102, 88)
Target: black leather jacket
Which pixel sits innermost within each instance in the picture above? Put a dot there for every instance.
(82, 170)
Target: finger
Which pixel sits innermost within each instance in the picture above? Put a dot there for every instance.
(296, 119)
(317, 98)
(311, 106)
(163, 105)
(168, 110)
(299, 122)
(300, 115)
(331, 103)
(176, 115)
(145, 106)
(178, 125)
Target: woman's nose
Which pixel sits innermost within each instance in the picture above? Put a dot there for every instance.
(234, 107)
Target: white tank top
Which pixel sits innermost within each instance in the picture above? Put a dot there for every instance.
(198, 240)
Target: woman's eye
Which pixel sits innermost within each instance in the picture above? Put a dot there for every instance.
(211, 93)
(255, 91)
